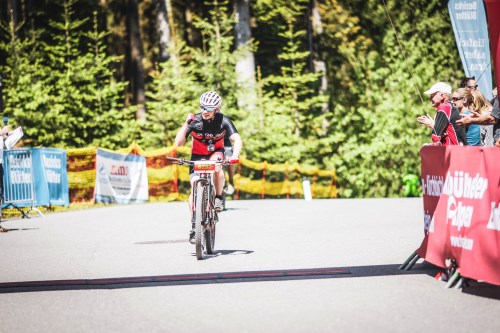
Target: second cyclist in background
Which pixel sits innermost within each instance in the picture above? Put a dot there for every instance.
(228, 152)
(208, 128)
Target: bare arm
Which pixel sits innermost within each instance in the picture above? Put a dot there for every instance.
(476, 118)
(180, 137)
(237, 144)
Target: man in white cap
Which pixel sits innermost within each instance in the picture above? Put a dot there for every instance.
(445, 131)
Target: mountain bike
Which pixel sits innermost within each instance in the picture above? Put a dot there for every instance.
(205, 215)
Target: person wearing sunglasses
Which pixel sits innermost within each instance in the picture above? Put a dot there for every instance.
(462, 100)
(485, 118)
(444, 128)
(208, 128)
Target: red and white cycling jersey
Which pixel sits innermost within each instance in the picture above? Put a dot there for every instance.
(210, 133)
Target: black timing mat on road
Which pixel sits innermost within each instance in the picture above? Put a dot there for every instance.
(164, 280)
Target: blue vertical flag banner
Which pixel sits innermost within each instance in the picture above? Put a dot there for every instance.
(51, 177)
(120, 178)
(468, 19)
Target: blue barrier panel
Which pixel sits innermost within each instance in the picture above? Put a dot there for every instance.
(18, 178)
(51, 177)
(35, 177)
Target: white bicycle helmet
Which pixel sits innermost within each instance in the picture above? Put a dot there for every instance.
(210, 101)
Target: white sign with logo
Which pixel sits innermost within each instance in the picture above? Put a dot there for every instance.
(120, 178)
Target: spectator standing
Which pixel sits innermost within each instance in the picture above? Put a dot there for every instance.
(4, 132)
(445, 131)
(481, 105)
(461, 102)
(469, 83)
(486, 118)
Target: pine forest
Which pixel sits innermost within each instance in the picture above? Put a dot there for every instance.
(332, 84)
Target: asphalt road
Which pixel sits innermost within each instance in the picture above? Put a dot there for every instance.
(280, 266)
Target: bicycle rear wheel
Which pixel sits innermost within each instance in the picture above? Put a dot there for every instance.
(200, 213)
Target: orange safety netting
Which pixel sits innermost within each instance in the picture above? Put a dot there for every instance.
(168, 182)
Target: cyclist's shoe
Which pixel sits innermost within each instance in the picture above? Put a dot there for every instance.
(229, 189)
(219, 204)
(191, 236)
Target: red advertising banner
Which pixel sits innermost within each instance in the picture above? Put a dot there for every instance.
(493, 13)
(461, 187)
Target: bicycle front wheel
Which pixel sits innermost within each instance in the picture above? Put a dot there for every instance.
(210, 237)
(200, 213)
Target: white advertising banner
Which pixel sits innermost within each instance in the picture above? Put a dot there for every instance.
(120, 178)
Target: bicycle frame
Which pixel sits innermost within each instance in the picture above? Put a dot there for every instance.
(205, 181)
(203, 203)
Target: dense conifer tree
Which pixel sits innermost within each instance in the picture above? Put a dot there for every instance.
(67, 90)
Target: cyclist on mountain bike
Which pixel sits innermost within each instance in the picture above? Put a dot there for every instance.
(208, 129)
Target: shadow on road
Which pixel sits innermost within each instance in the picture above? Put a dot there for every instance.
(233, 252)
(16, 229)
(223, 277)
(482, 289)
(225, 253)
(227, 209)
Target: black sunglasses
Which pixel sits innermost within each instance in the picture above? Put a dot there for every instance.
(456, 98)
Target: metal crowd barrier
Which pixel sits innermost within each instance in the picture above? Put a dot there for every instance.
(19, 184)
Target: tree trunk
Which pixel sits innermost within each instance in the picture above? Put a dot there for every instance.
(24, 10)
(136, 55)
(319, 65)
(192, 36)
(245, 67)
(1, 97)
(317, 24)
(164, 31)
(12, 12)
(310, 9)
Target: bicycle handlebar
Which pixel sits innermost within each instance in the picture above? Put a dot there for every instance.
(181, 161)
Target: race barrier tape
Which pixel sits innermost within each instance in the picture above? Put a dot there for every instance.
(55, 177)
(461, 194)
(169, 182)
